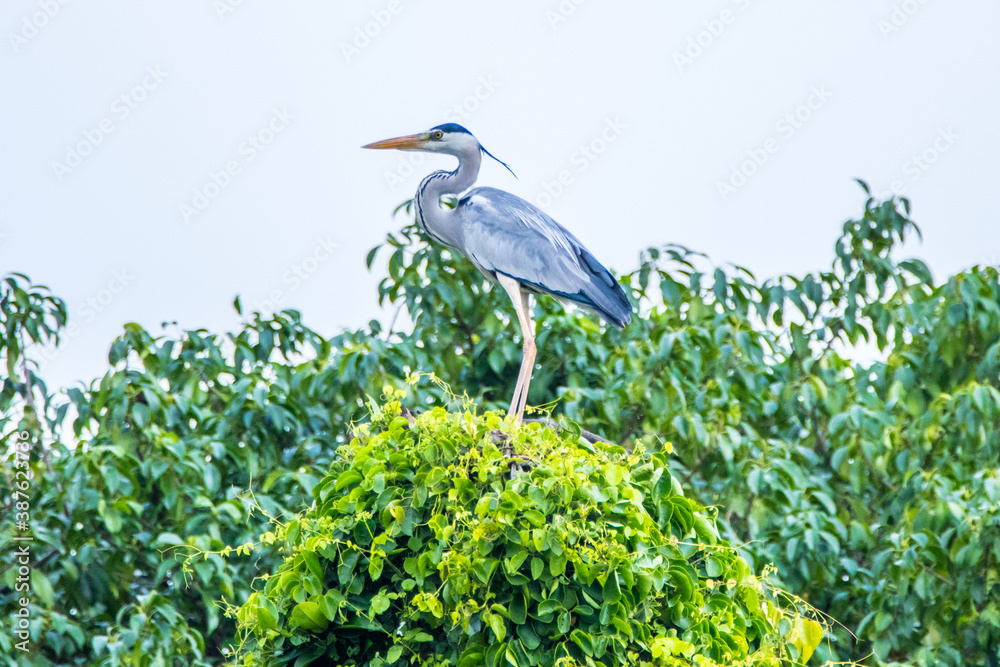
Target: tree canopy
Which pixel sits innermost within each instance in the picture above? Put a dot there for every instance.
(868, 488)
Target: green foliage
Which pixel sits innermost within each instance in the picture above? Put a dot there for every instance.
(423, 548)
(151, 632)
(871, 486)
(29, 315)
(165, 448)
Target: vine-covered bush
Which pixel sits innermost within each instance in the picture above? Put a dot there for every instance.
(424, 548)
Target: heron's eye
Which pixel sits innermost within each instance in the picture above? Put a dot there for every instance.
(438, 135)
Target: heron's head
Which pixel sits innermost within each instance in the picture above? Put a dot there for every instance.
(450, 139)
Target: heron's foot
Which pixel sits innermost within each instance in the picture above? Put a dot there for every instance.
(518, 463)
(502, 440)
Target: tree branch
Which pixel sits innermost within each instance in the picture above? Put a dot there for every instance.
(592, 438)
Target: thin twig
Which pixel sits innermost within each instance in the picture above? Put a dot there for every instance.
(592, 438)
(392, 324)
(637, 418)
(696, 467)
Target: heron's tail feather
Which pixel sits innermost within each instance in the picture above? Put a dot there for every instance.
(604, 293)
(601, 293)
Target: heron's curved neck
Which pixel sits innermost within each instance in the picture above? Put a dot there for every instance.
(440, 222)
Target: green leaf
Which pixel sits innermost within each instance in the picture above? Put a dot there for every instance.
(498, 626)
(308, 616)
(537, 567)
(312, 562)
(41, 586)
(535, 517)
(806, 636)
(518, 609)
(612, 589)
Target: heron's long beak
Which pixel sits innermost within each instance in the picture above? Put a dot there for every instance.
(409, 142)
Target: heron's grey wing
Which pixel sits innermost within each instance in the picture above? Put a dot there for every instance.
(506, 234)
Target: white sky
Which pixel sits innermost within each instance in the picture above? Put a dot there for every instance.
(888, 80)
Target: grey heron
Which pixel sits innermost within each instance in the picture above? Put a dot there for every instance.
(512, 242)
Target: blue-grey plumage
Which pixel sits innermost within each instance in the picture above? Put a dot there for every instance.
(513, 242)
(506, 234)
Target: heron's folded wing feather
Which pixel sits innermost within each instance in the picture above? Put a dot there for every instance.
(504, 233)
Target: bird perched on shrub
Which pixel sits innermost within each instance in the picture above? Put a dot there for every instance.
(513, 242)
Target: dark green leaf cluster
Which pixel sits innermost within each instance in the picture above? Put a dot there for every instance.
(156, 466)
(30, 315)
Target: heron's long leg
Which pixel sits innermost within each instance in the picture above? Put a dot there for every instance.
(528, 353)
(521, 303)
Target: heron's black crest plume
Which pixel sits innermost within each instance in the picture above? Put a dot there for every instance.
(498, 160)
(456, 128)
